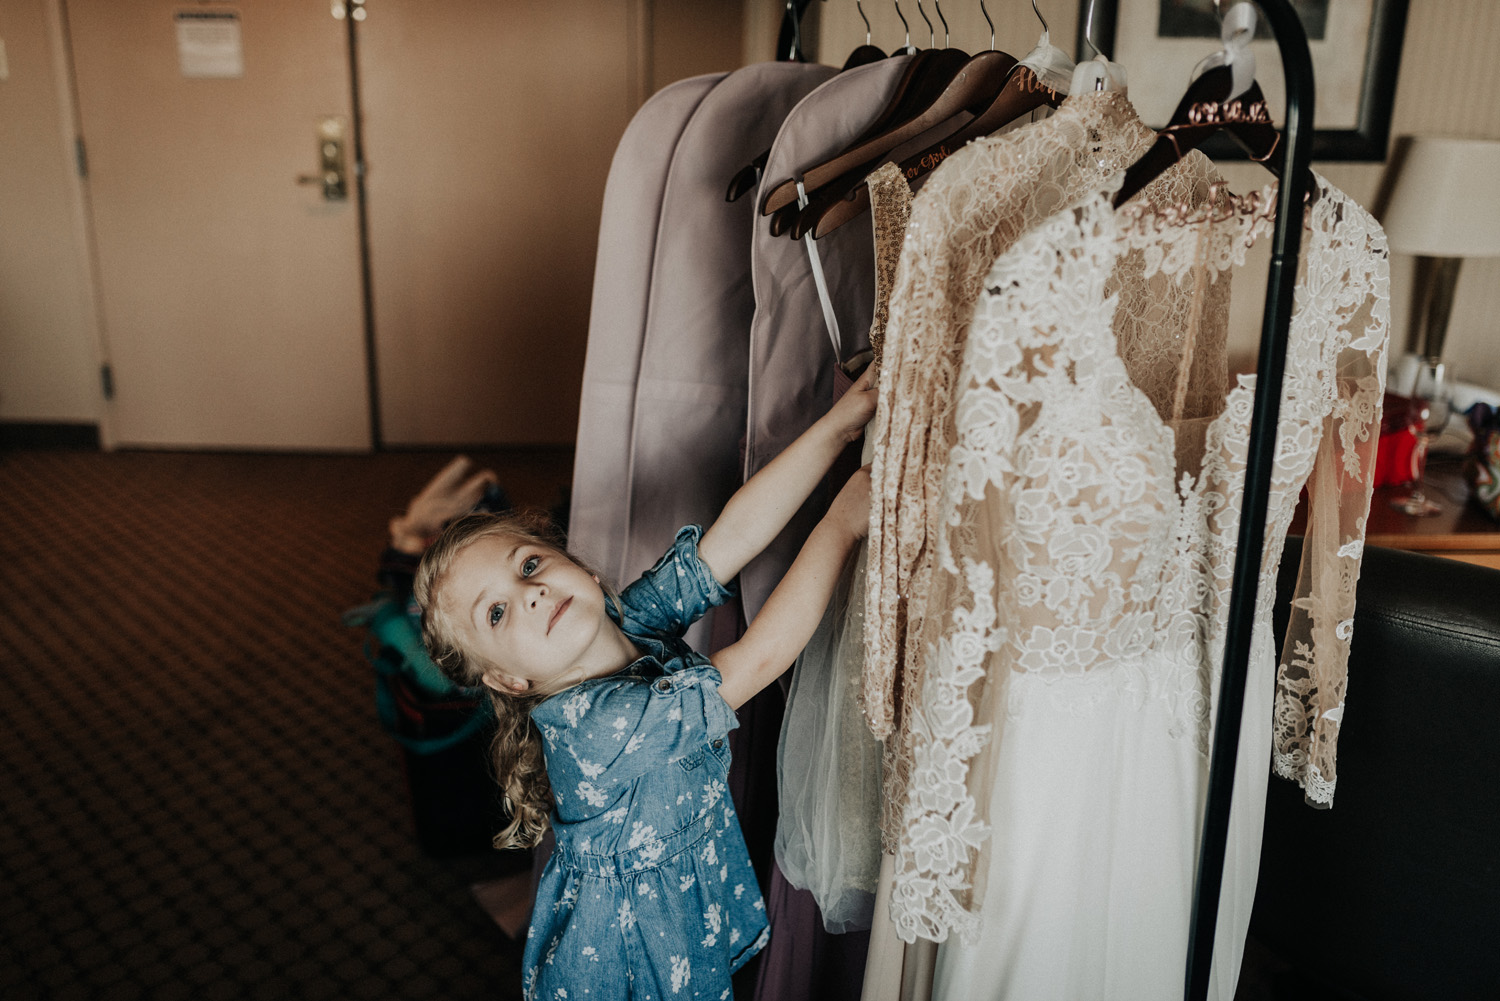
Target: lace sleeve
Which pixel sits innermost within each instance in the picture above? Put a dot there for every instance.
(971, 210)
(1313, 672)
(978, 203)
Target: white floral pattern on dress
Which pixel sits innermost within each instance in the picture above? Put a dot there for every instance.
(682, 973)
(1113, 528)
(985, 197)
(626, 756)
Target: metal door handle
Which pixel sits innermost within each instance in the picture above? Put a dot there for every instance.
(333, 169)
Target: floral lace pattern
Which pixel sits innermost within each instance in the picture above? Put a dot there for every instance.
(973, 209)
(1085, 530)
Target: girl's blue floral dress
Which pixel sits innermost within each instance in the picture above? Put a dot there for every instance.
(650, 894)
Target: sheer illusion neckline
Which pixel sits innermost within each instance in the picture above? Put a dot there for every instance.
(1214, 232)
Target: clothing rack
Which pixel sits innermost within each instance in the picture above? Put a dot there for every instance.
(1296, 59)
(1281, 283)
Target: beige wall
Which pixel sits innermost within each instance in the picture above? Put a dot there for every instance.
(1449, 85)
(50, 338)
(761, 24)
(49, 334)
(48, 348)
(690, 37)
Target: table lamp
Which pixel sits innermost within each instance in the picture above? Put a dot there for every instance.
(1444, 206)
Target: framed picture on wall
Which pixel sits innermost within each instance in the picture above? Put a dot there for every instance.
(1356, 52)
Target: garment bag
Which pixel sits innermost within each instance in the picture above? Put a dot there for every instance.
(617, 322)
(633, 194)
(689, 409)
(689, 413)
(792, 361)
(791, 354)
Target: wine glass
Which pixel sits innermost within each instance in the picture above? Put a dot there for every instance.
(1430, 385)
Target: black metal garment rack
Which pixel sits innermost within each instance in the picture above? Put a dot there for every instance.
(1280, 287)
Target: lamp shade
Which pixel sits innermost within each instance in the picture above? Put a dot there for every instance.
(1446, 199)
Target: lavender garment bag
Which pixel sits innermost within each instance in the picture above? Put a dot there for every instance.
(690, 393)
(791, 357)
(617, 321)
(792, 373)
(617, 328)
(689, 413)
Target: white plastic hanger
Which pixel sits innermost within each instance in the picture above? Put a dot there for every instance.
(1236, 31)
(1097, 73)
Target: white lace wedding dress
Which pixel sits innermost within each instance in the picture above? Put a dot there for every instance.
(1074, 620)
(972, 209)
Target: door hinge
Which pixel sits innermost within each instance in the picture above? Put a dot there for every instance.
(107, 381)
(81, 154)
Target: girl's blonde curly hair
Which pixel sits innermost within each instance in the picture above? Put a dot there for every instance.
(519, 764)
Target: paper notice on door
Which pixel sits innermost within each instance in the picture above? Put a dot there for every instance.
(208, 43)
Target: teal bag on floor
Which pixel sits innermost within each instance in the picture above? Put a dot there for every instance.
(417, 704)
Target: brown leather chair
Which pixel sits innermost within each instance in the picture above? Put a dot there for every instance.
(1394, 893)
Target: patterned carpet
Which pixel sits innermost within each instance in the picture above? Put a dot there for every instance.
(198, 801)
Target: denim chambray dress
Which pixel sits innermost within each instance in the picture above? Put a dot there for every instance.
(650, 894)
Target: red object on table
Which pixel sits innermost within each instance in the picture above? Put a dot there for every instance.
(1401, 452)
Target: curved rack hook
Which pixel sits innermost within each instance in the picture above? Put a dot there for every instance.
(861, 8)
(795, 54)
(1088, 31)
(1037, 11)
(939, 8)
(987, 20)
(902, 16)
(931, 32)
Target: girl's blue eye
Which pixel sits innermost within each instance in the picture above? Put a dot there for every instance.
(497, 610)
(529, 567)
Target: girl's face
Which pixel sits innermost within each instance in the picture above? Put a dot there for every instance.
(532, 614)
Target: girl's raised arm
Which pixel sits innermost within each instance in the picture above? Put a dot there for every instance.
(760, 509)
(774, 640)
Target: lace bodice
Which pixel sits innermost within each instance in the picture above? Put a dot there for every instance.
(1084, 532)
(970, 211)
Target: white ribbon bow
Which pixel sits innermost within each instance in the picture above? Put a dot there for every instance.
(1237, 31)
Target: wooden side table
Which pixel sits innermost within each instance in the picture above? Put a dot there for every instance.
(1460, 531)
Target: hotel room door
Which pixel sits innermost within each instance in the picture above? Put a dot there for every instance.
(230, 293)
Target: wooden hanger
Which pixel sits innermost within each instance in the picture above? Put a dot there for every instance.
(1020, 94)
(1204, 110)
(925, 81)
(863, 55)
(748, 177)
(866, 53)
(970, 90)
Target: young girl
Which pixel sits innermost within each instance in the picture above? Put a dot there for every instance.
(613, 730)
